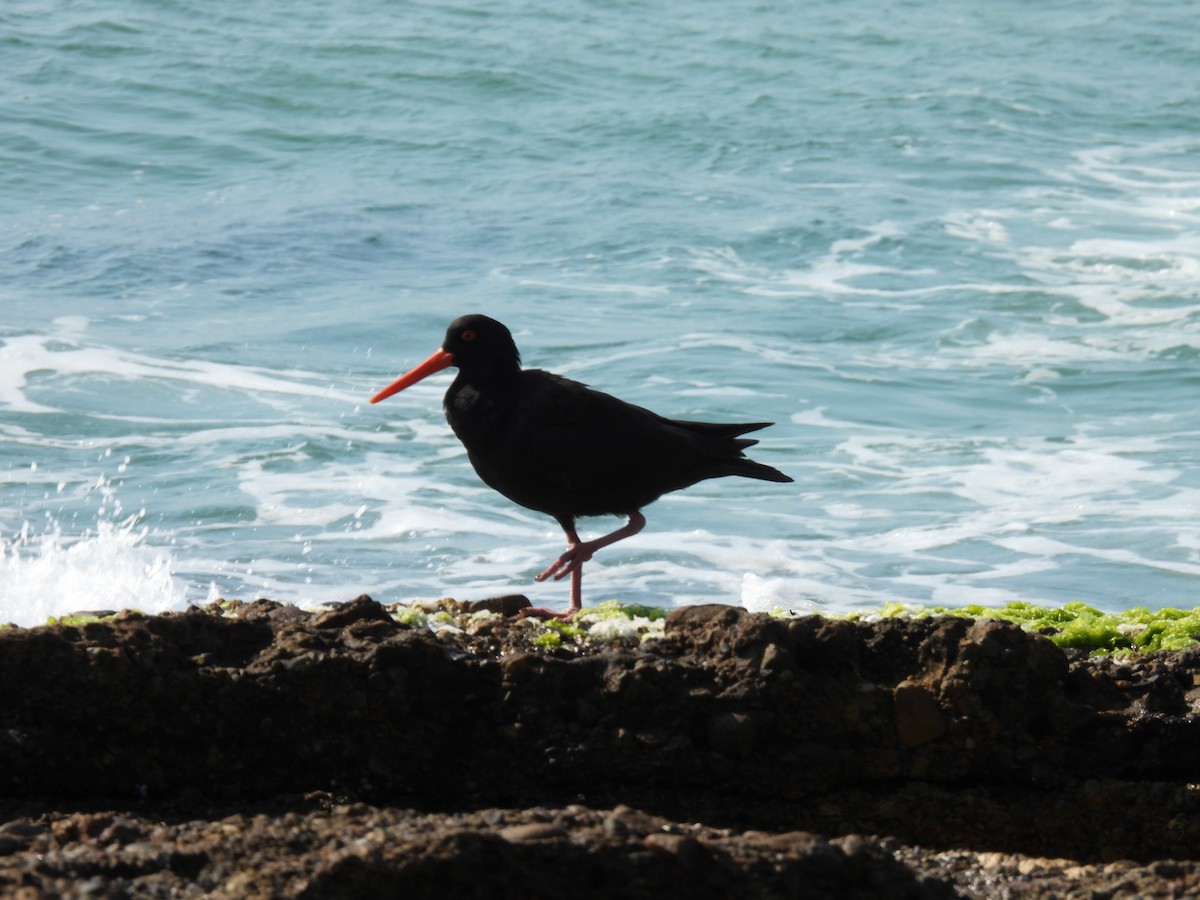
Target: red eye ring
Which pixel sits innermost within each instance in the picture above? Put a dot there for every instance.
(467, 335)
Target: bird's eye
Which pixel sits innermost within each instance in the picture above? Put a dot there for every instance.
(467, 335)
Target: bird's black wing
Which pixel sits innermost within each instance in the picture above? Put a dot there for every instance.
(584, 452)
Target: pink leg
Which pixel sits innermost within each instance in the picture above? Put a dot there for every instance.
(579, 552)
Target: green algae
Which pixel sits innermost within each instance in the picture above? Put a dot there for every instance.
(606, 623)
(411, 617)
(565, 628)
(612, 622)
(556, 632)
(1074, 625)
(228, 607)
(81, 619)
(548, 640)
(1077, 625)
(641, 611)
(611, 609)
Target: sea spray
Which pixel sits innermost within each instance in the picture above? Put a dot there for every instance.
(109, 568)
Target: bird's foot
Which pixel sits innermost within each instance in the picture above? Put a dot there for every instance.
(541, 612)
(571, 561)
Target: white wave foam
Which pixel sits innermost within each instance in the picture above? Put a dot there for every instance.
(760, 594)
(593, 287)
(825, 276)
(110, 568)
(982, 226)
(1048, 548)
(1122, 166)
(67, 359)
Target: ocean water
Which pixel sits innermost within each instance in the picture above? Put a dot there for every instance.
(951, 249)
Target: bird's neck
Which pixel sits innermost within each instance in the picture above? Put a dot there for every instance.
(493, 378)
(479, 402)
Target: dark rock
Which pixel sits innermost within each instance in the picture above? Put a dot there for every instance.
(360, 609)
(532, 831)
(918, 719)
(739, 754)
(506, 605)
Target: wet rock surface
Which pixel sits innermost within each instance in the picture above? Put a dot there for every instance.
(259, 750)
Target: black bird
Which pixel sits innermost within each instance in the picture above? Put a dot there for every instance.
(559, 447)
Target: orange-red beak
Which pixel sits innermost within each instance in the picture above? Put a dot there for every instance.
(440, 360)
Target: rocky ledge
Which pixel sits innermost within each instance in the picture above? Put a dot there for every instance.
(255, 750)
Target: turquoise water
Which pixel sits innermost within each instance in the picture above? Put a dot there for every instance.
(951, 249)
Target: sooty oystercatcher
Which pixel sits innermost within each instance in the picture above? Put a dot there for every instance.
(559, 447)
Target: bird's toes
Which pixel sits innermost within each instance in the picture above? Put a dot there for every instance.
(569, 562)
(550, 571)
(556, 571)
(541, 612)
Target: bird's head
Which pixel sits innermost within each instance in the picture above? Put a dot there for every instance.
(476, 344)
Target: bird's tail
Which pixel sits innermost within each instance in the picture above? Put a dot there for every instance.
(748, 468)
(723, 429)
(738, 465)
